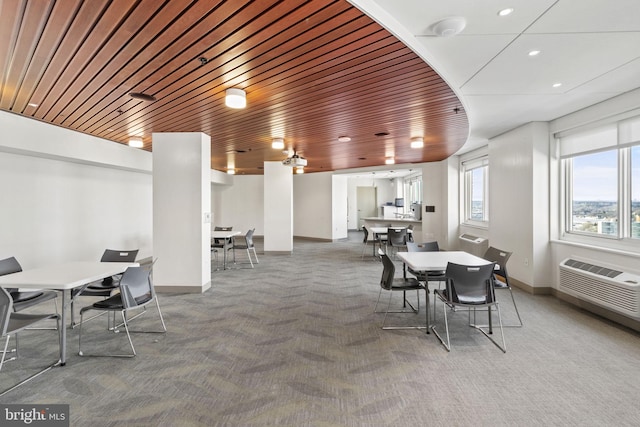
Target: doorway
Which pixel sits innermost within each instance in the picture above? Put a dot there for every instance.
(367, 203)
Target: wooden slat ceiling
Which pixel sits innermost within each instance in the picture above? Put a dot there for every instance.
(312, 70)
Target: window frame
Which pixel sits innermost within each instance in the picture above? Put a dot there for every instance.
(625, 137)
(466, 174)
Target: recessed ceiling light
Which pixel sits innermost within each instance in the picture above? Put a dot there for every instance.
(136, 142)
(505, 12)
(390, 161)
(300, 169)
(534, 53)
(277, 143)
(557, 84)
(417, 142)
(33, 104)
(344, 139)
(231, 171)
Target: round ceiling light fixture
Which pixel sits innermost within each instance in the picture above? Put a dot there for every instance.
(136, 142)
(344, 139)
(417, 142)
(277, 143)
(235, 98)
(449, 26)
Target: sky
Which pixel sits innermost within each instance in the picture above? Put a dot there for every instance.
(595, 176)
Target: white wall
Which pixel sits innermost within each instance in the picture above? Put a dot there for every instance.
(518, 201)
(181, 216)
(313, 205)
(433, 228)
(278, 208)
(67, 196)
(385, 192)
(240, 205)
(339, 207)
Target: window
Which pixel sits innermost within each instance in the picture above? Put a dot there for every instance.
(635, 192)
(476, 191)
(601, 181)
(413, 189)
(593, 190)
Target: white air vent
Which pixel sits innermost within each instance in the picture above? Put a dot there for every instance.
(473, 244)
(605, 285)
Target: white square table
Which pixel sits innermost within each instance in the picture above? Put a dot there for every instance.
(225, 236)
(63, 278)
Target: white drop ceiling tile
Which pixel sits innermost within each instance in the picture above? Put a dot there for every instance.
(620, 80)
(461, 57)
(590, 16)
(481, 16)
(572, 59)
(496, 114)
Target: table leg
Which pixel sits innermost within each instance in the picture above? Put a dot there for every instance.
(224, 258)
(63, 326)
(375, 237)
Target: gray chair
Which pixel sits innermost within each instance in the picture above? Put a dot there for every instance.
(501, 277)
(23, 300)
(391, 284)
(429, 276)
(366, 240)
(469, 287)
(397, 238)
(11, 323)
(247, 244)
(105, 287)
(136, 292)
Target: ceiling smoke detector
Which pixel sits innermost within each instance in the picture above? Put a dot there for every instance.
(449, 26)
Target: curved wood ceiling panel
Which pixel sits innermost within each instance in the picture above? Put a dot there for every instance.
(313, 71)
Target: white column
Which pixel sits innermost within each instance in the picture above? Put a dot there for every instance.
(181, 211)
(278, 208)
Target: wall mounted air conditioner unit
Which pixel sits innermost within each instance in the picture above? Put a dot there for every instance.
(604, 285)
(473, 244)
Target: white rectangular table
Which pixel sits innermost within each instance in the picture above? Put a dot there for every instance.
(437, 261)
(225, 236)
(63, 278)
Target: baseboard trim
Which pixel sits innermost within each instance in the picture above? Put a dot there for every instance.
(597, 310)
(177, 289)
(533, 290)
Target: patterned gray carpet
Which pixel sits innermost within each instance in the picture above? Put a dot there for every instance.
(295, 342)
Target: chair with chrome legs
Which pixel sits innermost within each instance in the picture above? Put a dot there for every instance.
(469, 287)
(105, 287)
(426, 276)
(366, 240)
(398, 284)
(23, 300)
(501, 277)
(246, 243)
(397, 238)
(11, 323)
(136, 292)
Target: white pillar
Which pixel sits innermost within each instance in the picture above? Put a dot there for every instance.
(278, 208)
(181, 211)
